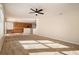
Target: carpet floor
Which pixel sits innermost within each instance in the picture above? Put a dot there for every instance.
(37, 45)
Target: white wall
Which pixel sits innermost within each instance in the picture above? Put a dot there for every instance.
(1, 26)
(60, 21)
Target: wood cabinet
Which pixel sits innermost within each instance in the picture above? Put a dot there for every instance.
(18, 27)
(22, 25)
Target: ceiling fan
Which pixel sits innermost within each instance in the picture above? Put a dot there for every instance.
(37, 11)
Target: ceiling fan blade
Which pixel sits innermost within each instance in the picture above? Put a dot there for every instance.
(41, 10)
(32, 9)
(41, 13)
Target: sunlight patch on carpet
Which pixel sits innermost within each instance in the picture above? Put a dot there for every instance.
(33, 46)
(45, 41)
(57, 45)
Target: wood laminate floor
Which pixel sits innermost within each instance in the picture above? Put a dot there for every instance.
(37, 45)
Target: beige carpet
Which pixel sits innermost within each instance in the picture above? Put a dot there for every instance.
(37, 45)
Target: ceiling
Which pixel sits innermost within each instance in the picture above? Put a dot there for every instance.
(22, 10)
